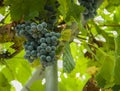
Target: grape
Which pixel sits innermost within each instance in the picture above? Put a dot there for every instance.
(44, 31)
(53, 47)
(42, 40)
(42, 52)
(32, 43)
(54, 38)
(48, 58)
(47, 35)
(40, 43)
(28, 52)
(58, 35)
(30, 47)
(38, 54)
(43, 45)
(48, 48)
(48, 40)
(38, 48)
(27, 28)
(21, 32)
(34, 35)
(43, 58)
(90, 8)
(39, 27)
(33, 24)
(52, 53)
(52, 33)
(22, 25)
(44, 24)
(33, 53)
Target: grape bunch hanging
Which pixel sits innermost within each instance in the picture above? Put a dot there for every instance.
(90, 8)
(40, 42)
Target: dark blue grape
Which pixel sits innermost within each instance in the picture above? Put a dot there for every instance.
(30, 47)
(43, 45)
(33, 24)
(42, 58)
(44, 24)
(54, 38)
(47, 35)
(39, 27)
(42, 52)
(33, 52)
(28, 53)
(58, 35)
(48, 48)
(53, 47)
(52, 53)
(48, 58)
(48, 40)
(42, 40)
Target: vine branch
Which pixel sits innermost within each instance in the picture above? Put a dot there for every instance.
(37, 74)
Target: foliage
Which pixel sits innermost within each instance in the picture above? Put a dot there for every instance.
(87, 49)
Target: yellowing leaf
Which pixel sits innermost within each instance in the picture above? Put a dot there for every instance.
(92, 70)
(35, 63)
(66, 34)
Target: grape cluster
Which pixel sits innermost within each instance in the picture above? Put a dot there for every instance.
(40, 43)
(90, 8)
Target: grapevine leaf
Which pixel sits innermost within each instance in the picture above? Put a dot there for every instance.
(68, 61)
(105, 74)
(66, 34)
(37, 86)
(117, 60)
(4, 85)
(116, 88)
(23, 9)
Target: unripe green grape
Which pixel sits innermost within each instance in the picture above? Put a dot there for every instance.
(48, 58)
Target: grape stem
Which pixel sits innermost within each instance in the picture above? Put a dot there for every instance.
(51, 77)
(37, 75)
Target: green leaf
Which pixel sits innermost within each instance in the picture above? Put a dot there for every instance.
(117, 60)
(4, 84)
(37, 86)
(105, 75)
(68, 61)
(24, 9)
